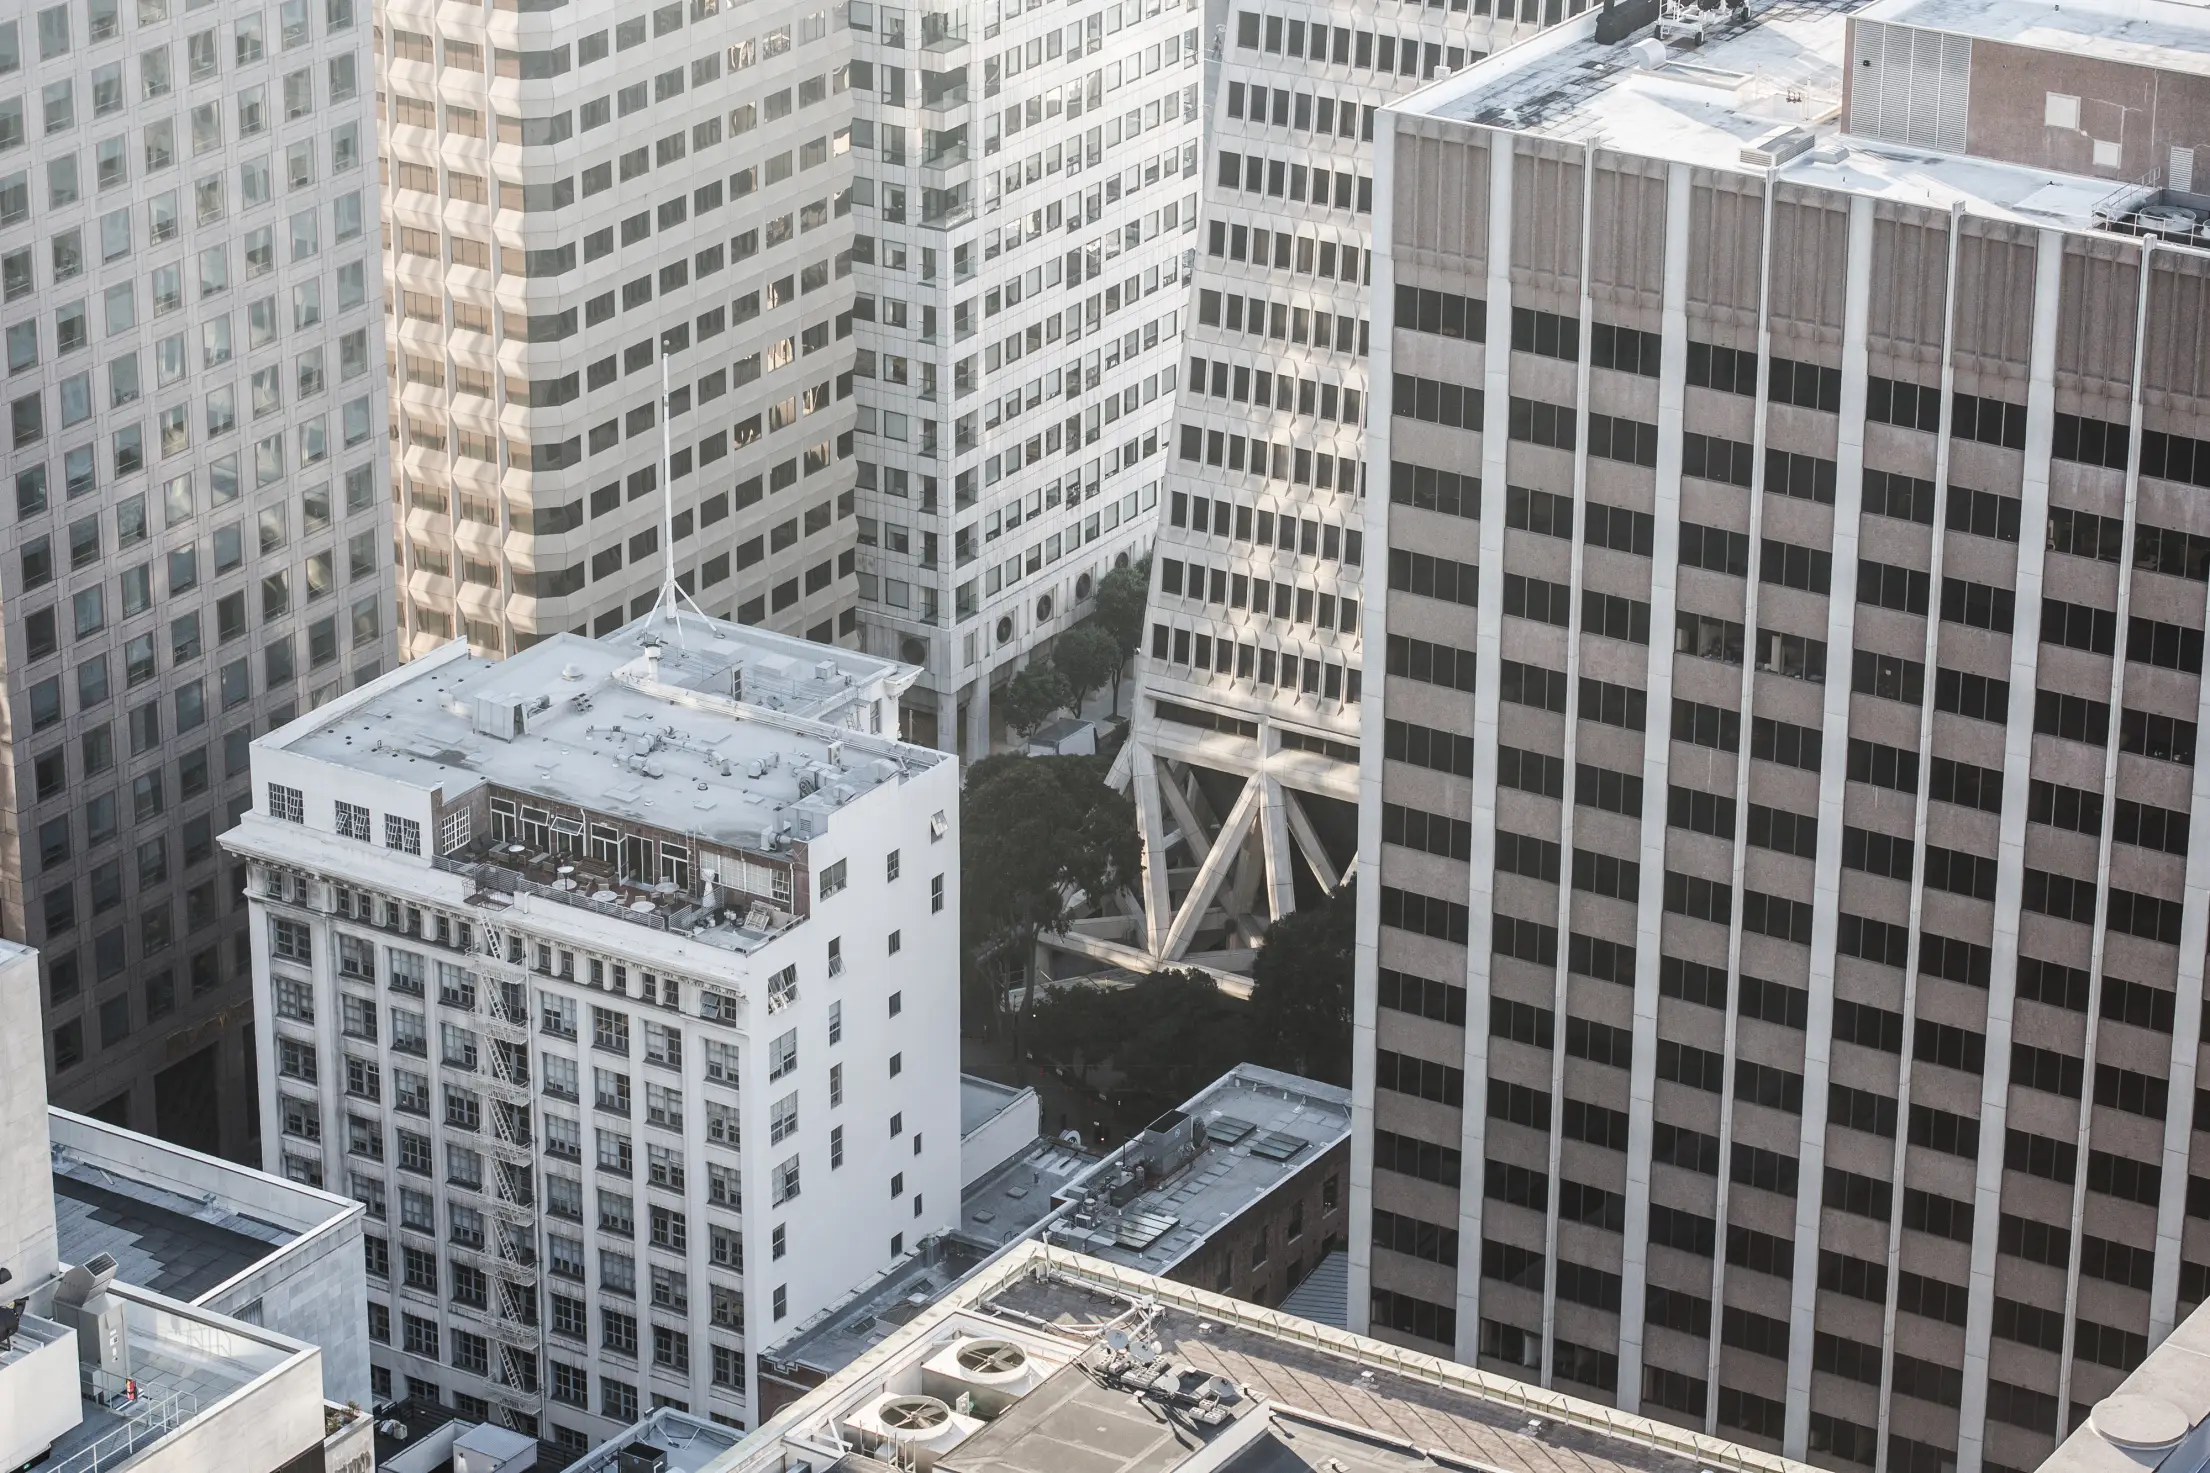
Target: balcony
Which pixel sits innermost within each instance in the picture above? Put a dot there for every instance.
(501, 872)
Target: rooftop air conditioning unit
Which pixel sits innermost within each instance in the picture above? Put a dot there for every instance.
(992, 1373)
(1777, 146)
(500, 717)
(913, 1430)
(84, 1305)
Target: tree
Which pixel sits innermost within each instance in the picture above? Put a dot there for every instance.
(1123, 596)
(1037, 835)
(1087, 657)
(1036, 690)
(1301, 990)
(1157, 1040)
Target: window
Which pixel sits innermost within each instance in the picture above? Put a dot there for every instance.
(833, 879)
(402, 834)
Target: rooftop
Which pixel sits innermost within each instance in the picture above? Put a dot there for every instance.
(2153, 33)
(1010, 1201)
(2158, 1417)
(187, 1365)
(997, 1211)
(635, 724)
(1257, 1129)
(162, 1241)
(734, 739)
(1260, 1128)
(691, 1443)
(433, 1431)
(1051, 1362)
(982, 1100)
(1782, 67)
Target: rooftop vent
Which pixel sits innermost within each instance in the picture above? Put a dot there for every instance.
(83, 1303)
(501, 717)
(1776, 146)
(1169, 1142)
(917, 1430)
(987, 1375)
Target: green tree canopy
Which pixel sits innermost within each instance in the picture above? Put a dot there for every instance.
(1122, 597)
(1162, 1037)
(1035, 832)
(1036, 691)
(1087, 657)
(1301, 990)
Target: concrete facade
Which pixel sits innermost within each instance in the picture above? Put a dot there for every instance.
(313, 1286)
(1244, 749)
(1781, 948)
(199, 529)
(26, 1218)
(608, 1146)
(1021, 299)
(588, 213)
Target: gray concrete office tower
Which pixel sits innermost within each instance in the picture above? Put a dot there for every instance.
(1028, 208)
(1782, 944)
(583, 209)
(1245, 744)
(199, 540)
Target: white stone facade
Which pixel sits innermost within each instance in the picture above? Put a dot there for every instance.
(1253, 666)
(596, 1149)
(1027, 216)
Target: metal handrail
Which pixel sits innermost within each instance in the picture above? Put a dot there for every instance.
(161, 1417)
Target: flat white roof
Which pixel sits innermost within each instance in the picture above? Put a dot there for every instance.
(718, 733)
(2164, 34)
(1261, 1127)
(1703, 105)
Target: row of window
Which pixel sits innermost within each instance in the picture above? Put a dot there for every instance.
(1285, 670)
(1279, 600)
(1277, 461)
(1284, 392)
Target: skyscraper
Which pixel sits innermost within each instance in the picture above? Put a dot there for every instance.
(1782, 944)
(199, 545)
(1028, 210)
(585, 210)
(1244, 750)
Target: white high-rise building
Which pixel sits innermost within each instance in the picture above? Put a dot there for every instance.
(1028, 211)
(620, 981)
(586, 212)
(1244, 747)
(198, 535)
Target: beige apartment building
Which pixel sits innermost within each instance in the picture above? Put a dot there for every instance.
(1782, 945)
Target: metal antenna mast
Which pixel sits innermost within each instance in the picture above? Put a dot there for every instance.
(672, 597)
